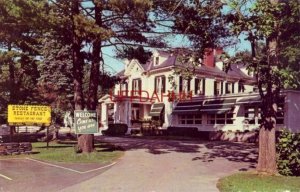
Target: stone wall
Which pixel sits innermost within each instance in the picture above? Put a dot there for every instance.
(15, 148)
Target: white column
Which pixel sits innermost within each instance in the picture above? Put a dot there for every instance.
(129, 114)
(224, 87)
(125, 114)
(116, 112)
(168, 115)
(236, 87)
(104, 120)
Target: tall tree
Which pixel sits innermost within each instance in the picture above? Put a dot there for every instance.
(20, 35)
(97, 24)
(274, 22)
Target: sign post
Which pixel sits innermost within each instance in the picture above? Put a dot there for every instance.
(86, 122)
(30, 115)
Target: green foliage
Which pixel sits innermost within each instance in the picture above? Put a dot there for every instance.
(203, 23)
(264, 21)
(288, 149)
(138, 53)
(21, 24)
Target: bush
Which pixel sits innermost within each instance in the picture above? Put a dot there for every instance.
(288, 148)
(117, 129)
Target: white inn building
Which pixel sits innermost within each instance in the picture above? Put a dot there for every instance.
(214, 100)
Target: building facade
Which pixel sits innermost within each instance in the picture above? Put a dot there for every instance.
(211, 100)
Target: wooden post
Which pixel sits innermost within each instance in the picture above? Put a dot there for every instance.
(47, 137)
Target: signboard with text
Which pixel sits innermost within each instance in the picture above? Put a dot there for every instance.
(86, 122)
(29, 115)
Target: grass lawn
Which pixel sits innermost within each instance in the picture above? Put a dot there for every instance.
(56, 152)
(250, 182)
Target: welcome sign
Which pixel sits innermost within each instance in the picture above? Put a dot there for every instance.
(29, 115)
(86, 122)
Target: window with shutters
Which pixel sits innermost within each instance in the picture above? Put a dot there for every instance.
(218, 88)
(241, 87)
(184, 84)
(124, 89)
(160, 84)
(199, 86)
(229, 87)
(136, 87)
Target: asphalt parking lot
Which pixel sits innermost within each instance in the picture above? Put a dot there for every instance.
(32, 175)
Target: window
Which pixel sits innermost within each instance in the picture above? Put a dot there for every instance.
(218, 88)
(184, 84)
(160, 84)
(199, 86)
(253, 114)
(124, 89)
(223, 119)
(229, 87)
(241, 88)
(135, 111)
(156, 61)
(136, 87)
(190, 119)
(280, 114)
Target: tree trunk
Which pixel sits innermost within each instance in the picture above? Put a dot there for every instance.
(77, 62)
(95, 67)
(267, 141)
(267, 151)
(84, 141)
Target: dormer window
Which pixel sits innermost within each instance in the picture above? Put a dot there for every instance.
(156, 61)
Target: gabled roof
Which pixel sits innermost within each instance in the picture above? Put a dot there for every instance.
(172, 61)
(132, 64)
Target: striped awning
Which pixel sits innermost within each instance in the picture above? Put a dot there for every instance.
(249, 100)
(156, 109)
(218, 106)
(187, 107)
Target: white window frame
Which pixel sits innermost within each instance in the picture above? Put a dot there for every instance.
(159, 84)
(212, 119)
(190, 119)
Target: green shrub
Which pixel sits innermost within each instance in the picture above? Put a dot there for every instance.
(117, 129)
(288, 148)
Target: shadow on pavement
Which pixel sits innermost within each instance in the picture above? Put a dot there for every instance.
(206, 151)
(236, 152)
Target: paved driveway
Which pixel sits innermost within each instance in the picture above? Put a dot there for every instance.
(170, 166)
(35, 176)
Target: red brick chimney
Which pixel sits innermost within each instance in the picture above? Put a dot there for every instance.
(210, 56)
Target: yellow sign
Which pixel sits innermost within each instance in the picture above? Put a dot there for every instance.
(29, 115)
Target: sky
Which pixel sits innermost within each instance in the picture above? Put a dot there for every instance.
(114, 65)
